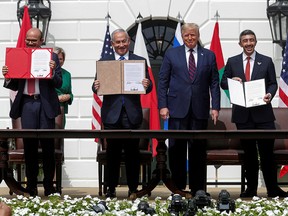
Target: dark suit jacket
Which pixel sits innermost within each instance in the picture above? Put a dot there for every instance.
(176, 91)
(48, 95)
(112, 104)
(263, 68)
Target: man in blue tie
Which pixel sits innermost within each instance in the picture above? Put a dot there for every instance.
(122, 111)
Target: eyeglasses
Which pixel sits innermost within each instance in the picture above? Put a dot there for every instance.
(32, 41)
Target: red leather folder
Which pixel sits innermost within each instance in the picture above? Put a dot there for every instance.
(22, 64)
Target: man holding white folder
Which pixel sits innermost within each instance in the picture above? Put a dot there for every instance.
(251, 65)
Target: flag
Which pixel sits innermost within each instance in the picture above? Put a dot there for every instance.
(283, 171)
(283, 82)
(149, 100)
(283, 93)
(26, 25)
(97, 100)
(217, 49)
(178, 41)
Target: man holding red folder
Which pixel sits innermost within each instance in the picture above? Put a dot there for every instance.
(37, 104)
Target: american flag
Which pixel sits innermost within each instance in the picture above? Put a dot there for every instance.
(283, 82)
(283, 93)
(97, 100)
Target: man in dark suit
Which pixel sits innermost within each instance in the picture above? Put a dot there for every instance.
(37, 110)
(258, 117)
(187, 78)
(122, 111)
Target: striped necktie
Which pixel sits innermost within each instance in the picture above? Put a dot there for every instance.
(192, 66)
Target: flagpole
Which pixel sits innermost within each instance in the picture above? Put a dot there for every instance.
(179, 17)
(108, 17)
(139, 17)
(169, 8)
(217, 15)
(108, 9)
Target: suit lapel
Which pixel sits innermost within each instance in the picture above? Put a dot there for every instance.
(239, 67)
(200, 57)
(182, 57)
(257, 65)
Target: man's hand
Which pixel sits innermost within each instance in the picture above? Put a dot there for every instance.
(267, 98)
(52, 64)
(5, 210)
(164, 113)
(237, 79)
(146, 83)
(4, 70)
(215, 115)
(96, 84)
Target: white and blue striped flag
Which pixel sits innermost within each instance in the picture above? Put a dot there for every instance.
(178, 38)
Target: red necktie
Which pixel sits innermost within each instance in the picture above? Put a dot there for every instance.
(247, 70)
(31, 86)
(192, 66)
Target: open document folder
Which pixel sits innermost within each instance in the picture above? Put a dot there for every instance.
(121, 77)
(28, 63)
(247, 94)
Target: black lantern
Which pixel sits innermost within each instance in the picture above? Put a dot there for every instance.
(40, 14)
(277, 14)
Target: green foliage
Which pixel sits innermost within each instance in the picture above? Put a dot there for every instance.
(57, 205)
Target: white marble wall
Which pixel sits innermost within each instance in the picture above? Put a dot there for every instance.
(79, 26)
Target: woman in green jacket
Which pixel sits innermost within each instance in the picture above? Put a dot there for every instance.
(65, 92)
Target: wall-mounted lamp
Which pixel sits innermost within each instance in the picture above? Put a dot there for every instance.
(277, 14)
(40, 14)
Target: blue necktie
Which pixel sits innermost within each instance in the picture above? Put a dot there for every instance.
(120, 59)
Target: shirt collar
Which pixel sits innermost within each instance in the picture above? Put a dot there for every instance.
(126, 56)
(194, 49)
(244, 56)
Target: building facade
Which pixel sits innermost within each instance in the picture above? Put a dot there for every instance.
(79, 27)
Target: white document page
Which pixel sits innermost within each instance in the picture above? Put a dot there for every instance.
(40, 63)
(236, 92)
(255, 92)
(134, 73)
(248, 95)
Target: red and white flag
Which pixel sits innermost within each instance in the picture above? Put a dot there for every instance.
(283, 93)
(97, 100)
(148, 100)
(25, 26)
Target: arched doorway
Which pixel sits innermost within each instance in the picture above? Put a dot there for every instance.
(158, 33)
